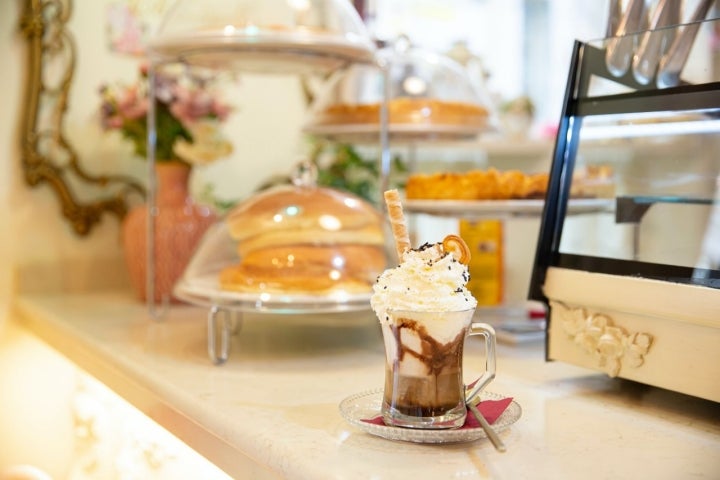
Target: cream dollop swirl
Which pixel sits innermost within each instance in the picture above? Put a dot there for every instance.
(428, 279)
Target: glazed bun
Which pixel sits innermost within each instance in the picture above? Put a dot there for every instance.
(305, 240)
(306, 268)
(301, 211)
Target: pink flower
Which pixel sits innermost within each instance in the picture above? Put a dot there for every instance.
(182, 105)
(112, 123)
(130, 105)
(220, 110)
(191, 105)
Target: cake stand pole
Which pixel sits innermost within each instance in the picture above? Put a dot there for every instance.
(221, 325)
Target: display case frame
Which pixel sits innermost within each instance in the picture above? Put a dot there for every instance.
(650, 322)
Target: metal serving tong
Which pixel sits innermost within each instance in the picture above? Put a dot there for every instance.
(655, 42)
(620, 48)
(673, 62)
(661, 52)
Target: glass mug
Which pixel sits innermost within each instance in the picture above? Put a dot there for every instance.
(424, 385)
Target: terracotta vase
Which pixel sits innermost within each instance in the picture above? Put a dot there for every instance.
(179, 226)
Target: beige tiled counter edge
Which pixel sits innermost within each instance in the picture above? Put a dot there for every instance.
(271, 411)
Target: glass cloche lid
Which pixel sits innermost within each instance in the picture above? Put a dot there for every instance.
(429, 95)
(287, 36)
(291, 248)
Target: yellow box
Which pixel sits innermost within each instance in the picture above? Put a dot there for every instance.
(485, 239)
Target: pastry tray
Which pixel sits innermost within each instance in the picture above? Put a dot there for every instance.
(370, 133)
(205, 291)
(285, 52)
(520, 207)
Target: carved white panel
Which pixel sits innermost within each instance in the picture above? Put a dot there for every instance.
(611, 346)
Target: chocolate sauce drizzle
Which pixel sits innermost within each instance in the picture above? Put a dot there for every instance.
(434, 355)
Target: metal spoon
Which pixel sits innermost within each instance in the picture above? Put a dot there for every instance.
(492, 434)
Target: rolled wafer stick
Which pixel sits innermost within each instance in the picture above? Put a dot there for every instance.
(397, 222)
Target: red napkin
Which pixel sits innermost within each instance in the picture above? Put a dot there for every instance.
(490, 409)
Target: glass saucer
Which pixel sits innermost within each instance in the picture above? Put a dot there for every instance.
(366, 405)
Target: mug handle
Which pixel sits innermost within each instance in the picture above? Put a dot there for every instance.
(488, 332)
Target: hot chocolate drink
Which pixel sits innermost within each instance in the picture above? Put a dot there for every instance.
(423, 368)
(434, 391)
(425, 312)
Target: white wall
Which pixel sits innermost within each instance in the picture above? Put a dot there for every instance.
(497, 31)
(9, 82)
(36, 231)
(492, 30)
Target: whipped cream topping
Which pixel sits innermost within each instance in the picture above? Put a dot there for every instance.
(428, 279)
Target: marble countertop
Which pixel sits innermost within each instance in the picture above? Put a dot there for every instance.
(272, 410)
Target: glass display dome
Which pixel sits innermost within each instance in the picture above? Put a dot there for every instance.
(290, 249)
(286, 36)
(429, 96)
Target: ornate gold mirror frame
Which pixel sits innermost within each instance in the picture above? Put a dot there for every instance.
(47, 155)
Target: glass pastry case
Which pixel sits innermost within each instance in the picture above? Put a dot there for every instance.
(291, 249)
(429, 97)
(304, 37)
(267, 36)
(635, 292)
